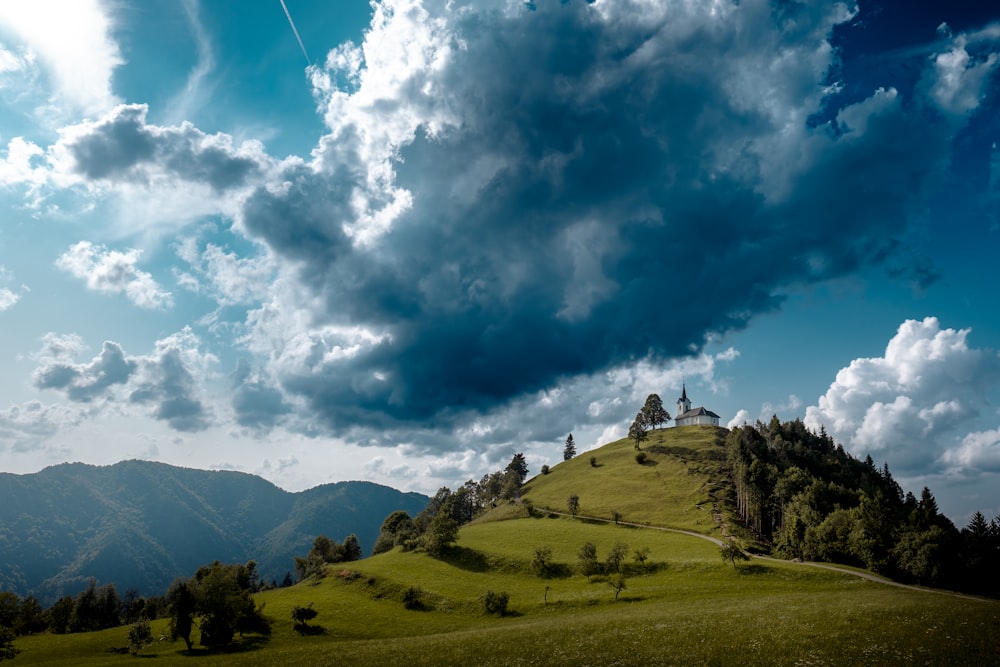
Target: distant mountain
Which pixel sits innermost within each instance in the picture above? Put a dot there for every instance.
(141, 524)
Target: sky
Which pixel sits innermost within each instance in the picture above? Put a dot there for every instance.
(401, 241)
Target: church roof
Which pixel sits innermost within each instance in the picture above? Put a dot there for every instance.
(684, 393)
(697, 412)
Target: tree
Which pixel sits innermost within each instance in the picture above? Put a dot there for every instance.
(7, 649)
(731, 552)
(637, 431)
(496, 603)
(182, 602)
(60, 614)
(519, 466)
(440, 534)
(653, 411)
(545, 469)
(397, 529)
(569, 451)
(224, 602)
(587, 559)
(641, 555)
(618, 585)
(573, 504)
(351, 548)
(542, 561)
(302, 615)
(616, 556)
(9, 605)
(30, 618)
(139, 635)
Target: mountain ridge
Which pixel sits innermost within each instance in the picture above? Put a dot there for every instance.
(140, 524)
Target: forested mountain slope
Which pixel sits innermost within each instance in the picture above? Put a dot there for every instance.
(140, 524)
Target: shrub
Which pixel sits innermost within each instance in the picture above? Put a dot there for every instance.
(593, 461)
(495, 603)
(545, 470)
(139, 634)
(302, 615)
(542, 561)
(640, 458)
(413, 598)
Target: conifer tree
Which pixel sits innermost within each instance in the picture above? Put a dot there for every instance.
(569, 451)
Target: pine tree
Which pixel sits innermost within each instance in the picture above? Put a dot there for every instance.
(570, 450)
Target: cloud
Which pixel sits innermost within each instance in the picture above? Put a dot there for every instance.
(169, 381)
(911, 406)
(7, 299)
(114, 272)
(509, 199)
(978, 452)
(74, 43)
(958, 78)
(85, 382)
(23, 427)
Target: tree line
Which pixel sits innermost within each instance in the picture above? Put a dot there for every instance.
(803, 496)
(435, 528)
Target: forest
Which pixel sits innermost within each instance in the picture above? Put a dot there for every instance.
(800, 495)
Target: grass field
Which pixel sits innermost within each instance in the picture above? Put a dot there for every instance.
(684, 606)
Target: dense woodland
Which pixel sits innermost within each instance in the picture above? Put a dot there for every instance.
(802, 496)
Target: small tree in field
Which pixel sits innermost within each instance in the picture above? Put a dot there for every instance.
(732, 553)
(302, 615)
(616, 556)
(573, 504)
(139, 635)
(587, 559)
(641, 555)
(637, 431)
(618, 584)
(496, 603)
(542, 561)
(569, 451)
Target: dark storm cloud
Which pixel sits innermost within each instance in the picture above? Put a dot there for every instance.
(587, 185)
(123, 146)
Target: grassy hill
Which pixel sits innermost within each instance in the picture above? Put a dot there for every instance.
(684, 606)
(676, 487)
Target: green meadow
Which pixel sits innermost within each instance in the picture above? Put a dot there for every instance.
(682, 606)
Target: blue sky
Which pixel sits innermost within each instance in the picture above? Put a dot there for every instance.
(437, 233)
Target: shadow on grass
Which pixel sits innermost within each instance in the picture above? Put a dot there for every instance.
(557, 571)
(244, 645)
(465, 558)
(754, 568)
(310, 630)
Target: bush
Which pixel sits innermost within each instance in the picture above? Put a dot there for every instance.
(302, 615)
(542, 561)
(640, 458)
(593, 461)
(495, 603)
(139, 635)
(545, 470)
(413, 598)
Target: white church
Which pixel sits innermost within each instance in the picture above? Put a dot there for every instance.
(688, 416)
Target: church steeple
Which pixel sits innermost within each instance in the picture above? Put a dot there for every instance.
(683, 404)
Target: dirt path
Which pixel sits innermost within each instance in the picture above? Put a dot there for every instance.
(823, 566)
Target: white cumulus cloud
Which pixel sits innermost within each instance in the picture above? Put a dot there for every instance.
(114, 272)
(911, 406)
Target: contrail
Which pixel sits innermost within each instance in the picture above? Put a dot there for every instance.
(295, 30)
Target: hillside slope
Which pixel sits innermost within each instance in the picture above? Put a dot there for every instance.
(678, 486)
(141, 524)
